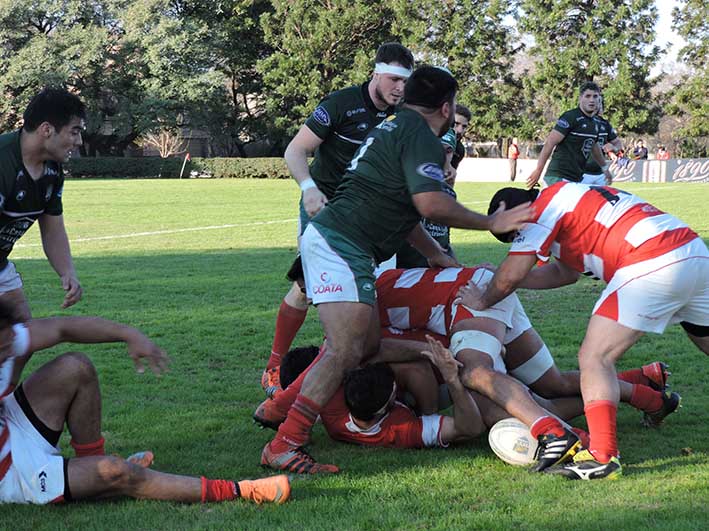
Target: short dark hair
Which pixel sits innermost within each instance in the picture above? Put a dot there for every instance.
(589, 85)
(430, 86)
(295, 362)
(512, 197)
(368, 389)
(7, 314)
(394, 52)
(463, 111)
(54, 105)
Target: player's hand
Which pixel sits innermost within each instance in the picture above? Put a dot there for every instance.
(73, 289)
(443, 260)
(141, 349)
(450, 175)
(513, 219)
(442, 358)
(313, 201)
(533, 178)
(470, 296)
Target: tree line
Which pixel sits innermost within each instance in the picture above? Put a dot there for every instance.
(252, 70)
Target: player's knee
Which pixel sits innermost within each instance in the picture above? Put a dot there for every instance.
(78, 367)
(478, 377)
(118, 475)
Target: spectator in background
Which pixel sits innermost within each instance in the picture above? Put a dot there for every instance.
(662, 153)
(639, 151)
(513, 155)
(462, 119)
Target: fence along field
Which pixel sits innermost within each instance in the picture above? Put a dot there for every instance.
(199, 265)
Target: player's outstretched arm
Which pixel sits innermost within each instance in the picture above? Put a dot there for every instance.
(56, 246)
(554, 138)
(549, 276)
(424, 243)
(45, 333)
(442, 208)
(303, 145)
(467, 422)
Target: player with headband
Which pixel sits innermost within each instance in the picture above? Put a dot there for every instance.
(332, 134)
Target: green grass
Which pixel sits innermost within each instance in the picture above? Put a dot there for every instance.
(207, 287)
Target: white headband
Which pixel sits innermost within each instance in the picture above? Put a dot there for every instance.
(384, 68)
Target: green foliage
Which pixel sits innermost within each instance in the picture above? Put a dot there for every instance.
(581, 40)
(156, 167)
(471, 38)
(689, 99)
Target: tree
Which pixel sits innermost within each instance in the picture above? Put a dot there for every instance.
(689, 99)
(471, 39)
(580, 40)
(165, 141)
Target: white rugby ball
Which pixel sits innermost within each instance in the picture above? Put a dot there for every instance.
(511, 441)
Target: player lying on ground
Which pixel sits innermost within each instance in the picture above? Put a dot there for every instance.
(657, 273)
(66, 391)
(367, 410)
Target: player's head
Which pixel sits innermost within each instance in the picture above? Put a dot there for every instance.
(462, 119)
(511, 197)
(295, 362)
(639, 143)
(7, 335)
(370, 391)
(589, 96)
(393, 65)
(448, 141)
(431, 90)
(58, 118)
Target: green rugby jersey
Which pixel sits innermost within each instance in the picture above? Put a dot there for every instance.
(606, 133)
(570, 156)
(342, 120)
(408, 257)
(22, 199)
(373, 205)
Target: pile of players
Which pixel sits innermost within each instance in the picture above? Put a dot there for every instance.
(380, 185)
(430, 332)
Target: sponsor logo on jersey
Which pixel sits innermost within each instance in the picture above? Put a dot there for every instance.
(20, 195)
(327, 288)
(324, 277)
(43, 481)
(562, 123)
(381, 114)
(352, 112)
(367, 286)
(321, 116)
(431, 170)
(362, 127)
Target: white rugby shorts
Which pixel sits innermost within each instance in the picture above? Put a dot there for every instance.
(36, 474)
(652, 294)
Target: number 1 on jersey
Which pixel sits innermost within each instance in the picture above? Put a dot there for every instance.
(360, 153)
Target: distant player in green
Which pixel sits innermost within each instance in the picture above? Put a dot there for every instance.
(407, 257)
(573, 141)
(31, 183)
(594, 173)
(395, 178)
(333, 132)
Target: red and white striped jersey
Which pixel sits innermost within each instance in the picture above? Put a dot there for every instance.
(420, 298)
(20, 346)
(598, 229)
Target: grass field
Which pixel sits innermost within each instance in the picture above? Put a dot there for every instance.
(199, 265)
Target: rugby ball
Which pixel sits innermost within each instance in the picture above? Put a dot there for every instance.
(511, 441)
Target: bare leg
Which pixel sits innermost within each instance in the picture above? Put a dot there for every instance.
(702, 343)
(418, 379)
(66, 390)
(110, 477)
(21, 313)
(296, 298)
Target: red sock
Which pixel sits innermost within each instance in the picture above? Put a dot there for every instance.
(546, 425)
(295, 430)
(646, 398)
(284, 400)
(633, 376)
(217, 490)
(288, 322)
(89, 449)
(600, 415)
